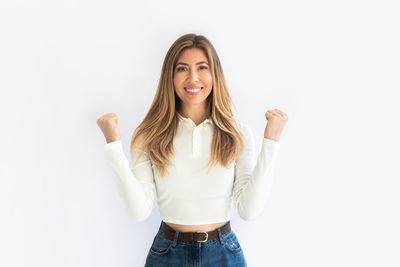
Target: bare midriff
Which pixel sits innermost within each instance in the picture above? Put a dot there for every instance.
(195, 228)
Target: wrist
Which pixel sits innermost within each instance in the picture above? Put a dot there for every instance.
(275, 138)
(109, 140)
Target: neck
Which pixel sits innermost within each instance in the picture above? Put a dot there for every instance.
(197, 113)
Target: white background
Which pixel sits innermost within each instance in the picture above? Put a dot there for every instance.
(332, 66)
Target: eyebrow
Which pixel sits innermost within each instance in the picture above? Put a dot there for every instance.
(198, 63)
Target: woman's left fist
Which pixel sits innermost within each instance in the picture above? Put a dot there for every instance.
(276, 121)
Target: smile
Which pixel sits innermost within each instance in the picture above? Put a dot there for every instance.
(193, 90)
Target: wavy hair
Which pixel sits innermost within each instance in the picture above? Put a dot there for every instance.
(157, 130)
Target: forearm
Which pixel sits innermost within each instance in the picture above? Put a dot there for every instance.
(253, 191)
(138, 196)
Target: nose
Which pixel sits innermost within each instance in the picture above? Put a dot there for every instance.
(193, 75)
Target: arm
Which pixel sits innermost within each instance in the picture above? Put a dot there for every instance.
(253, 182)
(137, 184)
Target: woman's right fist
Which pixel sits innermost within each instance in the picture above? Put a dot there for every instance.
(108, 124)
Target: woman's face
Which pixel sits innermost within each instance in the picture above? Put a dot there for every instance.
(192, 72)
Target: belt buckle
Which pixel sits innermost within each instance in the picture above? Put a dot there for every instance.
(206, 237)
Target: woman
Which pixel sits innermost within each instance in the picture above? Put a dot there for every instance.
(197, 155)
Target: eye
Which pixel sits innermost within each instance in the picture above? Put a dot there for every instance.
(179, 68)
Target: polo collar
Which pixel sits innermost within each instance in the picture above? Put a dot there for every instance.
(189, 120)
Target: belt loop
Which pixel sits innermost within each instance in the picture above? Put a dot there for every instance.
(221, 240)
(175, 239)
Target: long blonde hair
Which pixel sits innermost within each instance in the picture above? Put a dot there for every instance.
(157, 130)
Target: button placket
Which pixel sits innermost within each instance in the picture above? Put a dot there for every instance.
(194, 142)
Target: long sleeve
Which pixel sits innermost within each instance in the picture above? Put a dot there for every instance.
(137, 184)
(252, 183)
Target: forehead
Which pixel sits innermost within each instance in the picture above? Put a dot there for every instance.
(192, 54)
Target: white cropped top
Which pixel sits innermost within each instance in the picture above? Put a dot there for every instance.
(189, 194)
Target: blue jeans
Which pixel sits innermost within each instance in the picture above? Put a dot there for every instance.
(223, 250)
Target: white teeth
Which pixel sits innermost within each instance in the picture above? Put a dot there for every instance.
(193, 90)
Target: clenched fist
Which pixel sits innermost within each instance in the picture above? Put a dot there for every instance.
(108, 124)
(276, 121)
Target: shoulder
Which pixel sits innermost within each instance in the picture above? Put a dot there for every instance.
(138, 147)
(245, 129)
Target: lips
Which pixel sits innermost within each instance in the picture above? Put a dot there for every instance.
(193, 90)
(193, 87)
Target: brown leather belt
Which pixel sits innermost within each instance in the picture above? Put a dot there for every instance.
(193, 236)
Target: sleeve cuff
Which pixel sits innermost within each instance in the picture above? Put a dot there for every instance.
(113, 145)
(270, 142)
(115, 151)
(270, 147)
